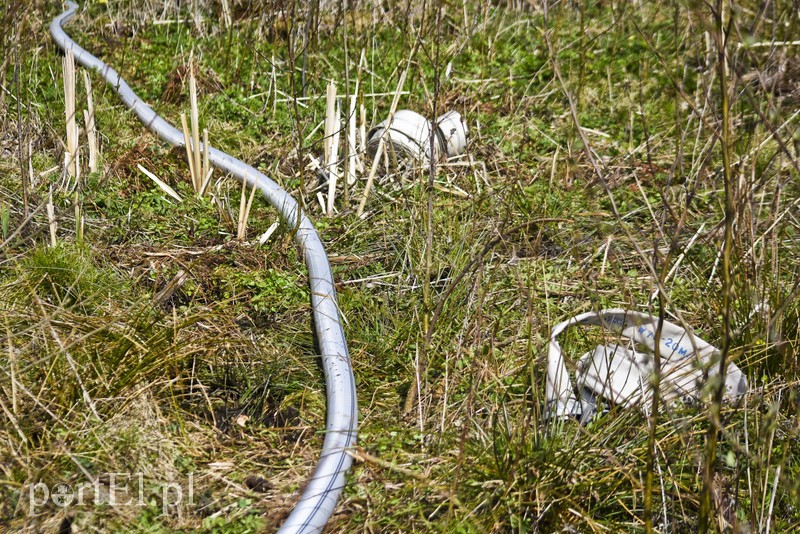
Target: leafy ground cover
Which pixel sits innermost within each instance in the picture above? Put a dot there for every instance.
(596, 173)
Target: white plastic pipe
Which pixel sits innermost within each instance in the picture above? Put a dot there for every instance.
(410, 134)
(323, 488)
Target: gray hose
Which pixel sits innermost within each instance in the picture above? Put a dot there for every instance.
(323, 488)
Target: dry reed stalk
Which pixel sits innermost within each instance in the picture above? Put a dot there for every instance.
(206, 181)
(71, 155)
(226, 14)
(160, 183)
(382, 142)
(205, 174)
(195, 125)
(334, 166)
(352, 149)
(273, 84)
(244, 211)
(266, 235)
(247, 210)
(188, 144)
(91, 131)
(51, 218)
(196, 17)
(331, 143)
(172, 286)
(362, 133)
(78, 217)
(241, 210)
(362, 114)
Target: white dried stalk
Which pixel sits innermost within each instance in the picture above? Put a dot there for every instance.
(239, 223)
(160, 183)
(352, 148)
(206, 181)
(362, 134)
(362, 116)
(78, 218)
(196, 16)
(197, 179)
(266, 235)
(71, 155)
(331, 144)
(247, 210)
(188, 144)
(226, 14)
(91, 131)
(244, 211)
(206, 166)
(88, 120)
(327, 132)
(321, 200)
(51, 218)
(273, 81)
(333, 168)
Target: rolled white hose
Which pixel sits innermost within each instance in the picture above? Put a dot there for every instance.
(623, 376)
(323, 489)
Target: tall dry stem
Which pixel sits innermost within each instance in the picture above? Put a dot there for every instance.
(197, 177)
(26, 178)
(91, 132)
(187, 142)
(331, 143)
(71, 154)
(721, 32)
(245, 204)
(71, 159)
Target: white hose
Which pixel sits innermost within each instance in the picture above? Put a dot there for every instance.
(323, 488)
(624, 377)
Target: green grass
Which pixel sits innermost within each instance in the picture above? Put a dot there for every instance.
(219, 379)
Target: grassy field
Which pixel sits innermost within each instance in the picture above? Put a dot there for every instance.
(641, 155)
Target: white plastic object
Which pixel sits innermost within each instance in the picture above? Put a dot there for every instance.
(623, 376)
(615, 372)
(409, 134)
(453, 133)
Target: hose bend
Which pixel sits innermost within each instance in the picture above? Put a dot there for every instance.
(324, 487)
